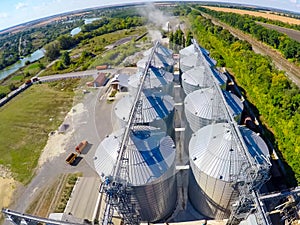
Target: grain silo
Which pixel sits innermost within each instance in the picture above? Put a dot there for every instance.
(189, 50)
(204, 106)
(156, 79)
(159, 61)
(161, 50)
(189, 62)
(151, 169)
(195, 79)
(155, 109)
(215, 159)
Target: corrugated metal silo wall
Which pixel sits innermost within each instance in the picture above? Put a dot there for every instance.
(210, 196)
(188, 88)
(157, 201)
(197, 122)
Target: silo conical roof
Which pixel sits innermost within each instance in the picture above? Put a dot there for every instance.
(153, 106)
(204, 106)
(156, 78)
(220, 77)
(195, 79)
(214, 151)
(235, 104)
(189, 50)
(189, 62)
(150, 154)
(158, 60)
(217, 161)
(161, 50)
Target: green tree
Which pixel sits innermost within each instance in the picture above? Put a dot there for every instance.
(66, 58)
(58, 65)
(189, 38)
(65, 42)
(52, 50)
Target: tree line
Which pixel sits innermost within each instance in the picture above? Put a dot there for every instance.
(287, 46)
(276, 98)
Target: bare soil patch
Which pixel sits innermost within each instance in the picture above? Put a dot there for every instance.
(7, 190)
(258, 14)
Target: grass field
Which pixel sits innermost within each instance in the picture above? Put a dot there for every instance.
(253, 13)
(26, 122)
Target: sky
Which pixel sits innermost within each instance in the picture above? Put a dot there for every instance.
(14, 12)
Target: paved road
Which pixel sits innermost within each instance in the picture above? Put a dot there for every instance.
(75, 74)
(84, 198)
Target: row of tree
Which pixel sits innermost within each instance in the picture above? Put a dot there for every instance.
(276, 98)
(287, 46)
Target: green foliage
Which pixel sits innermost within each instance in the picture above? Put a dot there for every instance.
(189, 38)
(65, 42)
(116, 56)
(177, 40)
(58, 65)
(66, 58)
(52, 50)
(2, 95)
(31, 39)
(275, 97)
(289, 47)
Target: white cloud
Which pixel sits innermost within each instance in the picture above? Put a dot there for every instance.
(3, 15)
(21, 5)
(293, 1)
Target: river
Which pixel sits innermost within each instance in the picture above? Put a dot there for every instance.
(38, 54)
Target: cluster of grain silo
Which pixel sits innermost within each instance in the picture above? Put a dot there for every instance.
(211, 144)
(150, 150)
(215, 154)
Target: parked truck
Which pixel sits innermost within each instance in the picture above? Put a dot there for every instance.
(71, 158)
(79, 148)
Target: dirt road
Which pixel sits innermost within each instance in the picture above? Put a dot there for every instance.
(292, 71)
